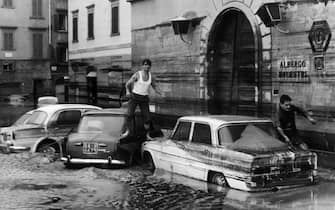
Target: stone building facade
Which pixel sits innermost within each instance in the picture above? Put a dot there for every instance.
(99, 50)
(24, 58)
(239, 56)
(59, 48)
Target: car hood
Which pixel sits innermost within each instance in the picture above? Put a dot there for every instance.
(13, 128)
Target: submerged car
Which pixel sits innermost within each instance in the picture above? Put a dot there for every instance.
(44, 129)
(103, 137)
(236, 151)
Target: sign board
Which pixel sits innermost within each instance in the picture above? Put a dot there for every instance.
(8, 54)
(294, 69)
(319, 36)
(319, 63)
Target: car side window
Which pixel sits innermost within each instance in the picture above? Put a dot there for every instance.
(70, 117)
(182, 132)
(225, 136)
(202, 134)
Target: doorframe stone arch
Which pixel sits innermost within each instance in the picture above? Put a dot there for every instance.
(262, 40)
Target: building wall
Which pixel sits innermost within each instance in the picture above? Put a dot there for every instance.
(58, 39)
(102, 52)
(27, 68)
(181, 67)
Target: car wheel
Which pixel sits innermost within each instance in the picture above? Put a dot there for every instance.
(218, 179)
(148, 162)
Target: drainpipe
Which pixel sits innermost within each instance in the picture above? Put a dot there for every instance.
(49, 22)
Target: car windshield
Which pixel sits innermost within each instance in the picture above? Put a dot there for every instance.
(22, 119)
(37, 118)
(233, 132)
(108, 124)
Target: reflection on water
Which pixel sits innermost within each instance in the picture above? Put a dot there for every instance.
(319, 196)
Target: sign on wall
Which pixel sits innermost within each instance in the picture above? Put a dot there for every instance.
(319, 36)
(294, 69)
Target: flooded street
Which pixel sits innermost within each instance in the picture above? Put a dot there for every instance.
(34, 181)
(30, 181)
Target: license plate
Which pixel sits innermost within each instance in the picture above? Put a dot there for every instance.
(90, 148)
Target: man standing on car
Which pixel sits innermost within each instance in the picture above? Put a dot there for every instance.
(286, 125)
(137, 88)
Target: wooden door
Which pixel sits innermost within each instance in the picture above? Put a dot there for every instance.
(232, 72)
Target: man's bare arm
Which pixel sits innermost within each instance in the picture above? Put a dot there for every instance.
(130, 83)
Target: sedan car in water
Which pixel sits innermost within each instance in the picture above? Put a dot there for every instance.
(104, 137)
(236, 151)
(44, 128)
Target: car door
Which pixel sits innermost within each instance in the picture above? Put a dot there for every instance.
(174, 155)
(200, 150)
(63, 122)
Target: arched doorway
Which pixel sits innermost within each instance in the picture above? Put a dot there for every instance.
(232, 70)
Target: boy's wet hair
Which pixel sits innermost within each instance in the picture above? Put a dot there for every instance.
(284, 98)
(146, 61)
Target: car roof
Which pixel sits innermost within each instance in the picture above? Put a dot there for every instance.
(218, 120)
(55, 107)
(109, 111)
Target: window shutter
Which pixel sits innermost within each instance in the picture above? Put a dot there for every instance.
(115, 20)
(56, 22)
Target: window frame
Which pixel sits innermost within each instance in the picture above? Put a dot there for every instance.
(7, 4)
(90, 22)
(57, 123)
(176, 129)
(115, 25)
(61, 15)
(37, 45)
(37, 9)
(210, 133)
(6, 46)
(10, 64)
(75, 21)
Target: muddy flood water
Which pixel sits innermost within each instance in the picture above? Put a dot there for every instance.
(32, 181)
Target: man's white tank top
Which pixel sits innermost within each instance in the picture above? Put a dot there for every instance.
(142, 87)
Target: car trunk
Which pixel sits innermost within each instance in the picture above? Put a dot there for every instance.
(92, 145)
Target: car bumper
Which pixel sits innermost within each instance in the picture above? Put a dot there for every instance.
(109, 161)
(8, 148)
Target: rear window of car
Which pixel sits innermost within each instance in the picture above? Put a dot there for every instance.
(37, 118)
(231, 133)
(108, 124)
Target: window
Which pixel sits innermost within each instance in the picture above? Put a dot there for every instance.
(8, 66)
(37, 45)
(8, 40)
(60, 21)
(61, 53)
(75, 26)
(7, 4)
(115, 18)
(71, 117)
(90, 22)
(202, 134)
(182, 132)
(232, 133)
(37, 8)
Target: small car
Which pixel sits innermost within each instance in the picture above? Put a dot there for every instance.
(44, 130)
(104, 137)
(240, 152)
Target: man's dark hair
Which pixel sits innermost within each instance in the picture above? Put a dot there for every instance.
(146, 61)
(284, 98)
